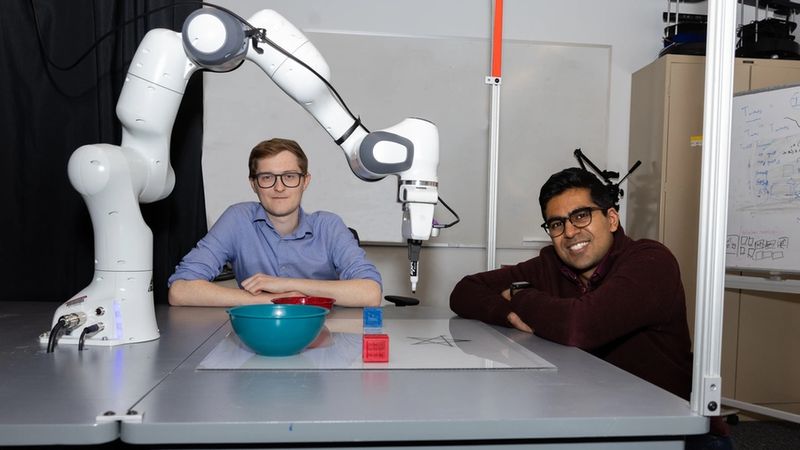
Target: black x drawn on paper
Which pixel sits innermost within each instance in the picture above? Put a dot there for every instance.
(441, 339)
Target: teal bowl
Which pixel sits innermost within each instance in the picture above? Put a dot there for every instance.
(277, 330)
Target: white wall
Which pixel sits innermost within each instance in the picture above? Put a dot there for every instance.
(632, 28)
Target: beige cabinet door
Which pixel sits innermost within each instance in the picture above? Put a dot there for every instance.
(683, 165)
(681, 184)
(772, 73)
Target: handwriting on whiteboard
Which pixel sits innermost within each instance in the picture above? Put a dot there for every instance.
(772, 152)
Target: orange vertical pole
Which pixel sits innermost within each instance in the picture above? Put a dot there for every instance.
(497, 39)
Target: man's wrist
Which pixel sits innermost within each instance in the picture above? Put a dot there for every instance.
(517, 286)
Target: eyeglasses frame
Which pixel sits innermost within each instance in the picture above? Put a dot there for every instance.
(563, 220)
(301, 175)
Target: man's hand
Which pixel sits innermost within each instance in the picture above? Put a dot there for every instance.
(513, 318)
(260, 282)
(206, 293)
(359, 292)
(517, 323)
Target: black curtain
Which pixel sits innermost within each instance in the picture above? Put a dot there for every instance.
(47, 112)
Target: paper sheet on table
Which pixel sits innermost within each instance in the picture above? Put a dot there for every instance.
(413, 344)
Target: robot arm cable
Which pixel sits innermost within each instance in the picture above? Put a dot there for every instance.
(261, 36)
(447, 225)
(256, 35)
(118, 27)
(111, 31)
(50, 63)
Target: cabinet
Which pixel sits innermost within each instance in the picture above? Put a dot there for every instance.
(760, 330)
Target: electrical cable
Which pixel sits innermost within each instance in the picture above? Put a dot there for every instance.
(82, 339)
(256, 34)
(120, 26)
(265, 39)
(67, 321)
(51, 341)
(91, 329)
(49, 62)
(96, 42)
(447, 225)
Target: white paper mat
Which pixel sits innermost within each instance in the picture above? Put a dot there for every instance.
(413, 344)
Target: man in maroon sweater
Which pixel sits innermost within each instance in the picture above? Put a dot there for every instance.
(594, 288)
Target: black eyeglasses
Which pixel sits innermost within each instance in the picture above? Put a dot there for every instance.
(580, 218)
(289, 179)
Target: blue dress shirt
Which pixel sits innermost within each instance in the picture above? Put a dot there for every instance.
(321, 248)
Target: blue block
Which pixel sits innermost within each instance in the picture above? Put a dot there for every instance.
(373, 317)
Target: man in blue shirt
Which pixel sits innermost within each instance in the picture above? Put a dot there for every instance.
(276, 249)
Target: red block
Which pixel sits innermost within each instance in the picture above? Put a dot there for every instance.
(375, 348)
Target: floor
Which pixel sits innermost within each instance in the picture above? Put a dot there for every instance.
(766, 435)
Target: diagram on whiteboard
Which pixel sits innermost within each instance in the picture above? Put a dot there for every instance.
(756, 249)
(764, 190)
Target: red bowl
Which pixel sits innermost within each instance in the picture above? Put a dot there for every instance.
(325, 302)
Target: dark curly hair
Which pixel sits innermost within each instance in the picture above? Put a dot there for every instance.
(575, 177)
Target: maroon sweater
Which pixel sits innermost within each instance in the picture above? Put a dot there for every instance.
(632, 314)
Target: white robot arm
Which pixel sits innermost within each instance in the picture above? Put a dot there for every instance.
(409, 149)
(117, 307)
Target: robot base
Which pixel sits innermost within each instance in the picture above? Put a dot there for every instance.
(72, 339)
(121, 302)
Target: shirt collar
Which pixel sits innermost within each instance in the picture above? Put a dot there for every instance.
(303, 225)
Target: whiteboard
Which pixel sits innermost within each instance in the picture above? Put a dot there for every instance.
(555, 99)
(764, 193)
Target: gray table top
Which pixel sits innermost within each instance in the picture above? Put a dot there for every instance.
(56, 398)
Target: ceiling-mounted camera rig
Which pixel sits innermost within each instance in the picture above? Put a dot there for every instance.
(606, 175)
